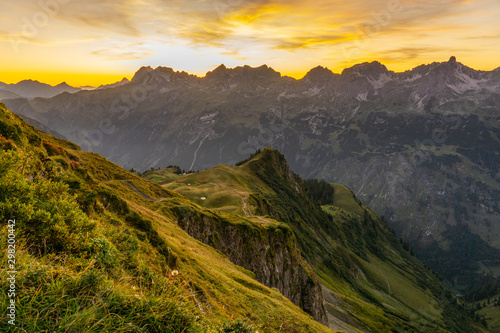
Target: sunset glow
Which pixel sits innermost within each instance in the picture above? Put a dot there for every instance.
(93, 42)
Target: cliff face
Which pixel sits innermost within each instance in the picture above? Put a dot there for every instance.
(269, 251)
(406, 143)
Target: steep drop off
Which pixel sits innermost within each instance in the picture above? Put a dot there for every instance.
(369, 281)
(98, 250)
(419, 147)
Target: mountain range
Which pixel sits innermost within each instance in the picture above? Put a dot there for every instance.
(30, 89)
(421, 147)
(244, 248)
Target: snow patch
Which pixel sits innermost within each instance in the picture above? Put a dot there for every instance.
(209, 116)
(312, 91)
(285, 95)
(383, 79)
(420, 104)
(413, 78)
(362, 97)
(466, 83)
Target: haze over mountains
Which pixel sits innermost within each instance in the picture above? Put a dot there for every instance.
(30, 89)
(246, 248)
(420, 147)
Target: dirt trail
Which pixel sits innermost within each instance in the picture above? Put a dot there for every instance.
(364, 277)
(135, 190)
(388, 285)
(244, 205)
(245, 209)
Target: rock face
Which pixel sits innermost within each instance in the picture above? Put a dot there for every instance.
(269, 252)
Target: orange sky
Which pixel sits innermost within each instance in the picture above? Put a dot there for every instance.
(93, 42)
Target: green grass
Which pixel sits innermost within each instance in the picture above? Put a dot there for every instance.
(492, 314)
(115, 270)
(367, 257)
(223, 188)
(118, 276)
(402, 286)
(345, 199)
(161, 176)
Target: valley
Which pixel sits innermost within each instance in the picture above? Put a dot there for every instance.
(162, 258)
(420, 147)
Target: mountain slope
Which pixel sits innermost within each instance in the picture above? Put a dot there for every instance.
(102, 249)
(368, 280)
(420, 147)
(98, 250)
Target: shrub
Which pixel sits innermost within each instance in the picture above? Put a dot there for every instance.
(321, 191)
(52, 219)
(10, 131)
(104, 252)
(52, 149)
(6, 144)
(236, 326)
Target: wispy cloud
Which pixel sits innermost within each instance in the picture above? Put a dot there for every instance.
(124, 52)
(293, 34)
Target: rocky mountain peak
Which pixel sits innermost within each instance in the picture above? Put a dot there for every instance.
(64, 85)
(141, 73)
(114, 85)
(30, 83)
(367, 69)
(220, 72)
(164, 70)
(272, 161)
(319, 74)
(219, 69)
(263, 72)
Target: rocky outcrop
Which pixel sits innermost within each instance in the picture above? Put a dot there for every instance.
(404, 142)
(269, 251)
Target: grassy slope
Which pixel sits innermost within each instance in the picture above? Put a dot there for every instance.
(491, 312)
(374, 283)
(120, 278)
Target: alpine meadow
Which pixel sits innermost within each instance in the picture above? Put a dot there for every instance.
(250, 166)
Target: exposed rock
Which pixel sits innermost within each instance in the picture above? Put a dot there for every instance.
(269, 252)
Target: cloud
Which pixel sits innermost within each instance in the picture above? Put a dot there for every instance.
(124, 52)
(290, 32)
(409, 53)
(113, 15)
(276, 24)
(298, 24)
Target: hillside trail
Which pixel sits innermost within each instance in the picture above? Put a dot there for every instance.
(244, 198)
(364, 277)
(246, 210)
(135, 189)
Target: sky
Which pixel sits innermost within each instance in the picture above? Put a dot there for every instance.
(93, 42)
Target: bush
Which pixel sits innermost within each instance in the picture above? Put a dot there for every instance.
(52, 220)
(6, 144)
(10, 131)
(321, 191)
(53, 150)
(104, 252)
(257, 152)
(236, 326)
